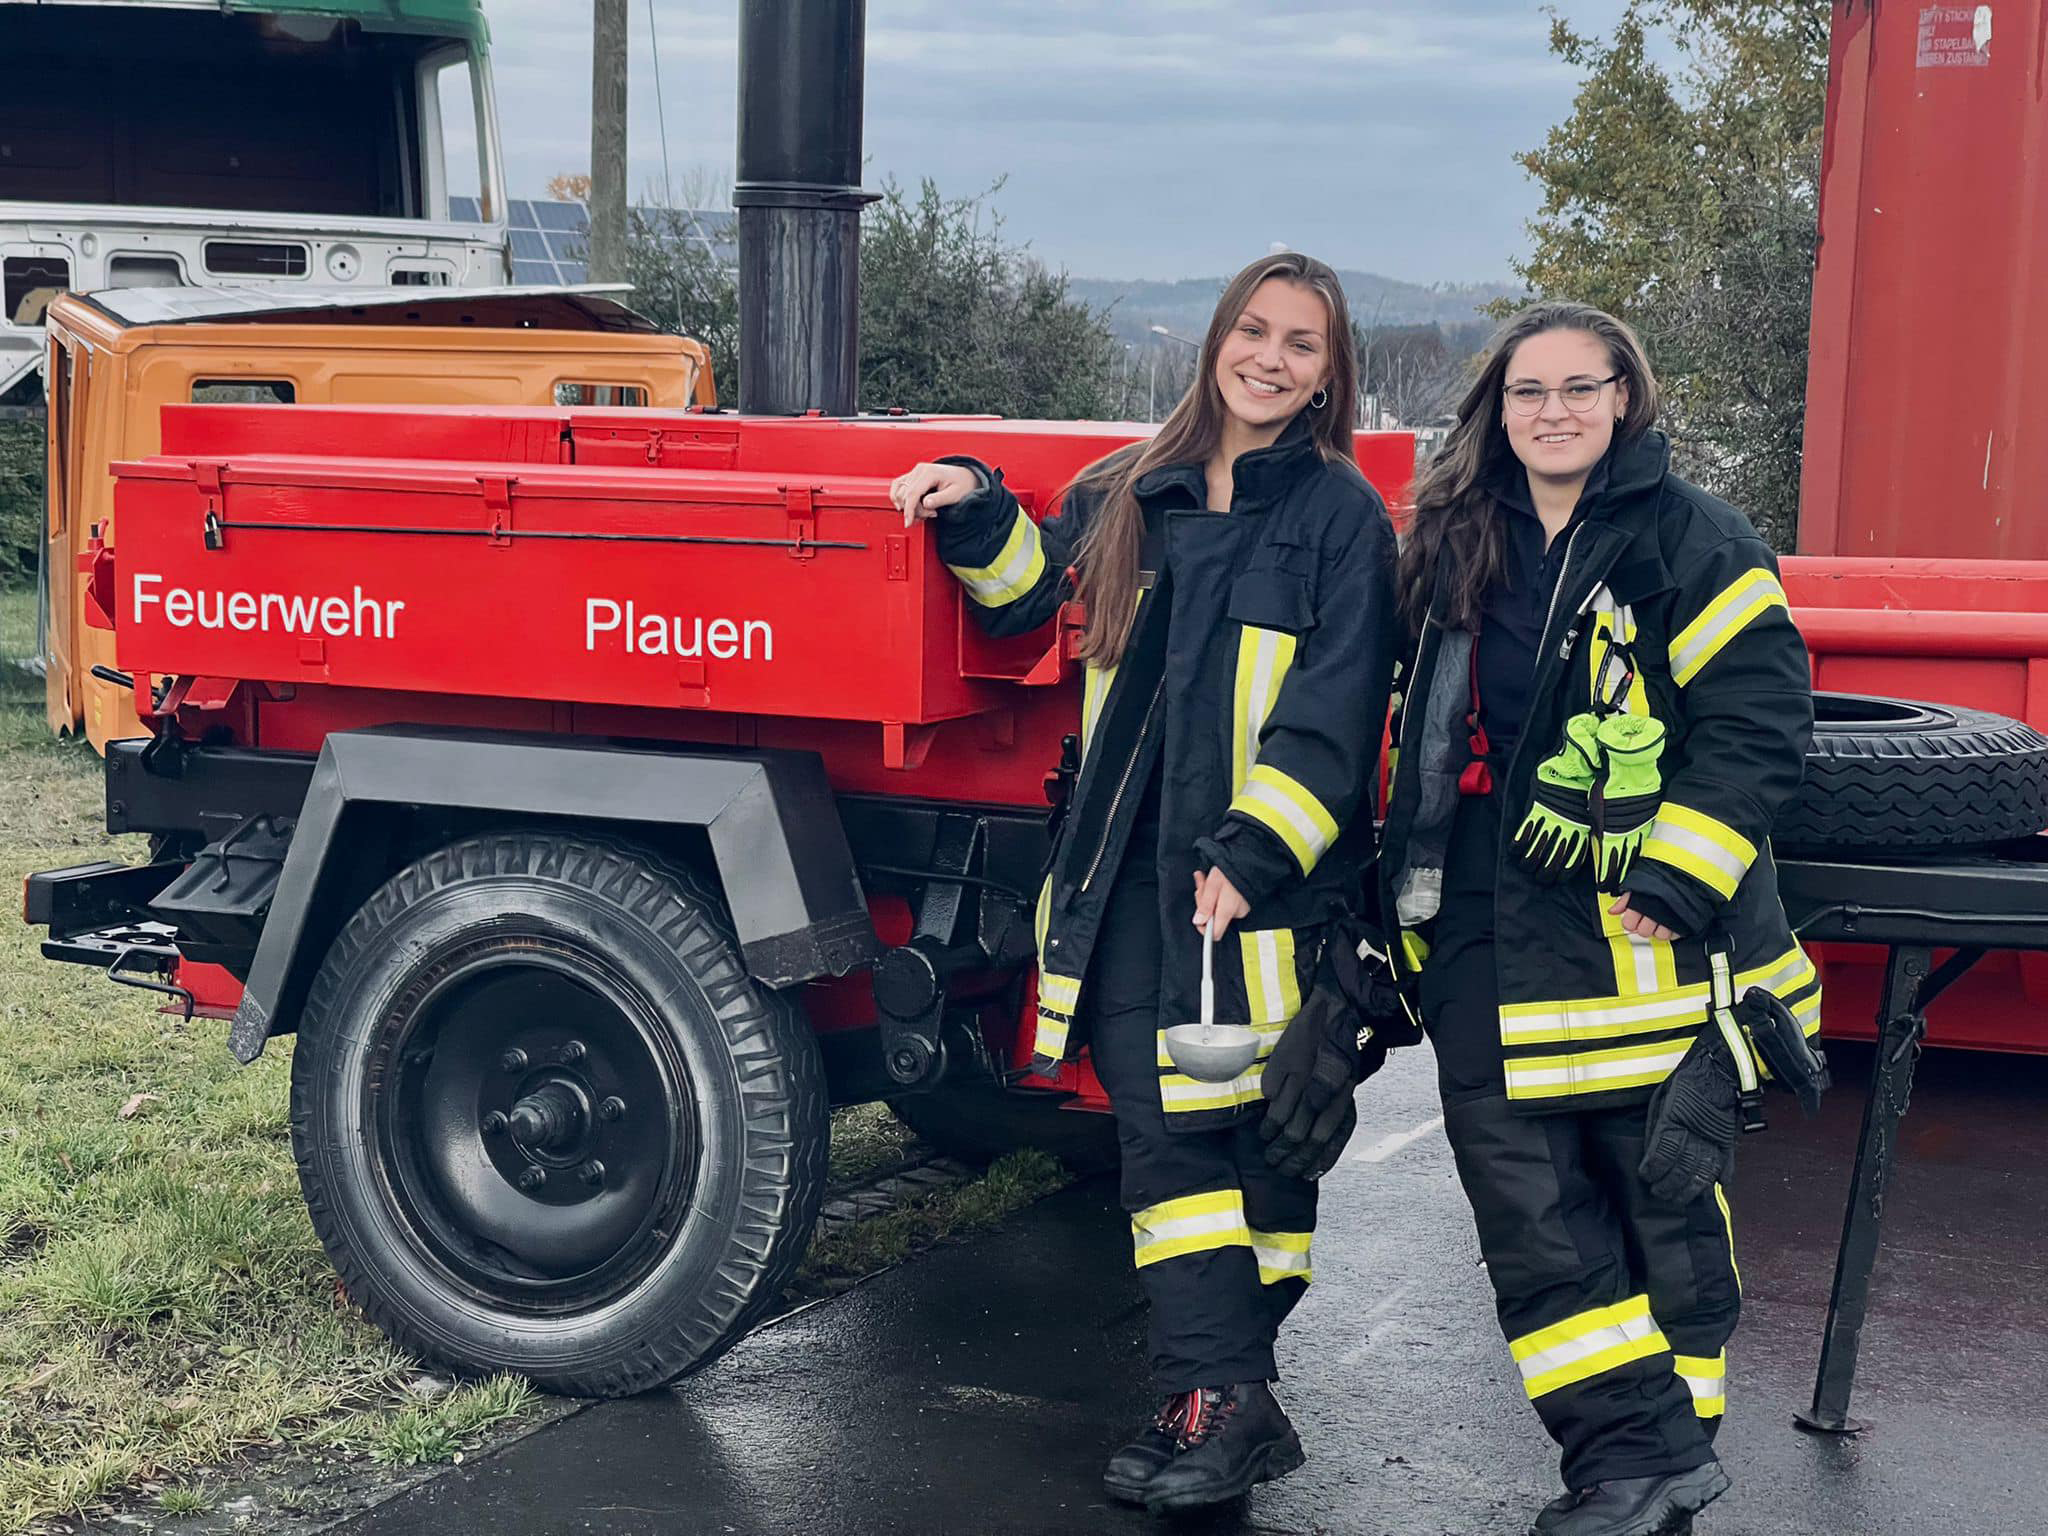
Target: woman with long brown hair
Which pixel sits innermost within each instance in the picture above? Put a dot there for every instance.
(1236, 573)
(1608, 704)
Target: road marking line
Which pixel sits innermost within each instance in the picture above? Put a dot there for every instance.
(1394, 1141)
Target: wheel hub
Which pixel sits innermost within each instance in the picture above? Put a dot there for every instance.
(540, 1127)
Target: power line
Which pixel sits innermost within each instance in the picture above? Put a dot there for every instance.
(660, 112)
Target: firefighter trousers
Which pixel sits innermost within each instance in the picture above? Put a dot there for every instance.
(1221, 1240)
(1617, 1306)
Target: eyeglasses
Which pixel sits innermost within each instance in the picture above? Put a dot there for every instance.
(1578, 395)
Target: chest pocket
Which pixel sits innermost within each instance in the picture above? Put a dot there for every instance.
(1274, 612)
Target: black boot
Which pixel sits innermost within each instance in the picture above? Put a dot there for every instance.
(1548, 1516)
(1232, 1439)
(1130, 1470)
(1644, 1506)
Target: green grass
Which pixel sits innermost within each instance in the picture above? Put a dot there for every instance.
(163, 1302)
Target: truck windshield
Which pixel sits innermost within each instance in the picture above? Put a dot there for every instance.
(159, 106)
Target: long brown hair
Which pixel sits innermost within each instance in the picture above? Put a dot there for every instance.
(1454, 511)
(1108, 558)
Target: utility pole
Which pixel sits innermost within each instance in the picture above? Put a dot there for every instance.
(607, 253)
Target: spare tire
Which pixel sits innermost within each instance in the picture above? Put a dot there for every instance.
(1889, 773)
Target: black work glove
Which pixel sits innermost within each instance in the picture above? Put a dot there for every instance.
(1308, 1082)
(1694, 1120)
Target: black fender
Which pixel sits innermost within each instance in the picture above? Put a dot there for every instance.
(773, 825)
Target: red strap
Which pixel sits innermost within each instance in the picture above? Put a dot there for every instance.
(1477, 778)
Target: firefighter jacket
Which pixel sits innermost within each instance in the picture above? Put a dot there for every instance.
(1255, 682)
(1667, 605)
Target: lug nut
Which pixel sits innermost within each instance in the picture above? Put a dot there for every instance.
(494, 1123)
(612, 1108)
(575, 1050)
(591, 1173)
(532, 1178)
(513, 1060)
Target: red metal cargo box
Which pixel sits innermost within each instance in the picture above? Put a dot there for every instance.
(749, 594)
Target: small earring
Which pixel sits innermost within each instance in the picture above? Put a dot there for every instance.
(1319, 399)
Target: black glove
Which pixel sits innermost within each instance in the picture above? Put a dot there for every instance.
(1308, 1082)
(1695, 1117)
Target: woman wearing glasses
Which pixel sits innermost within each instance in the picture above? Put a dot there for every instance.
(1607, 704)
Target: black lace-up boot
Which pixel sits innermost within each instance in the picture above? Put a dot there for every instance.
(1641, 1506)
(1548, 1516)
(1231, 1439)
(1131, 1469)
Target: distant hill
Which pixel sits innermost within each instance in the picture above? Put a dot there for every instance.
(1185, 306)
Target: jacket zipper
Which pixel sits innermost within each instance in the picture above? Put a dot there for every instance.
(1563, 579)
(1123, 783)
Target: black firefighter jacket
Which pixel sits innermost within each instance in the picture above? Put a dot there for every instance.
(1591, 1016)
(1256, 678)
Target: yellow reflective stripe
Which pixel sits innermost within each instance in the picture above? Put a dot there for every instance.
(1042, 919)
(1414, 949)
(1642, 967)
(1728, 1226)
(1602, 1018)
(1281, 1256)
(1014, 571)
(1711, 851)
(1284, 805)
(1263, 659)
(1707, 1379)
(1782, 977)
(1271, 986)
(1095, 683)
(1808, 1015)
(1180, 1095)
(1739, 604)
(1586, 1345)
(1058, 997)
(1191, 1224)
(1629, 1066)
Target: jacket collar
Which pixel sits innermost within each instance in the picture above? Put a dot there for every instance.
(1622, 475)
(1260, 477)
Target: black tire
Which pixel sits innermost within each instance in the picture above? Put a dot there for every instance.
(1889, 773)
(978, 1122)
(675, 1110)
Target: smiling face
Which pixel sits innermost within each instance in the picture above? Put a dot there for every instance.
(1562, 438)
(1276, 356)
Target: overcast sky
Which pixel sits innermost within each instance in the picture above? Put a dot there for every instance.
(1139, 138)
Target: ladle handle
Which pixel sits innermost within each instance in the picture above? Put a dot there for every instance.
(1208, 972)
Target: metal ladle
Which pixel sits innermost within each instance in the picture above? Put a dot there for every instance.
(1210, 1052)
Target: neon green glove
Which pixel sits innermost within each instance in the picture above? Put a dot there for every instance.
(1557, 831)
(1625, 805)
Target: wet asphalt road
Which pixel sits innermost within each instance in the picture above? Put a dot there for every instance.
(976, 1391)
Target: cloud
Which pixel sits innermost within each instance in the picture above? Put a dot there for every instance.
(1142, 137)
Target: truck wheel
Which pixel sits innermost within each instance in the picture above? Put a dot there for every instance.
(1887, 773)
(979, 1122)
(545, 1122)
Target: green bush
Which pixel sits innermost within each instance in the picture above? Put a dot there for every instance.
(21, 499)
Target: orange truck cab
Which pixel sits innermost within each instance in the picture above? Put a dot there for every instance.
(117, 358)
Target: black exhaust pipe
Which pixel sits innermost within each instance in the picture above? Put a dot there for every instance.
(799, 200)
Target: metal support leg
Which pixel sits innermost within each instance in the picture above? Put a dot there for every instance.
(1900, 1026)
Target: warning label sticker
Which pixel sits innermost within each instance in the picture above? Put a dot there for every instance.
(1954, 37)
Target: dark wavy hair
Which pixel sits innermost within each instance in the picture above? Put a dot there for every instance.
(1455, 517)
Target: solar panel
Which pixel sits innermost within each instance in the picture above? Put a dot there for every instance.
(463, 210)
(550, 237)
